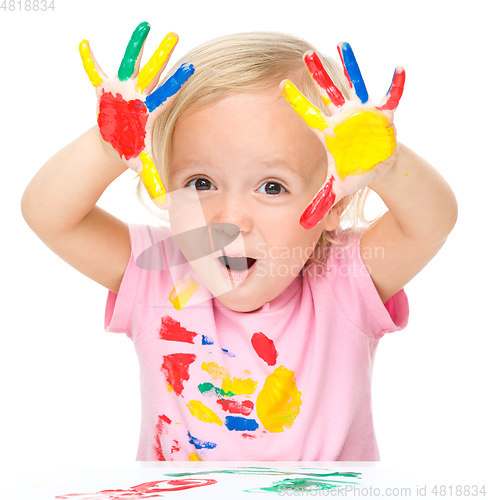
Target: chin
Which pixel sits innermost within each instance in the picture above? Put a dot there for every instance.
(238, 306)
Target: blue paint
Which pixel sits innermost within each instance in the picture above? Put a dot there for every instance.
(169, 87)
(391, 84)
(354, 73)
(240, 424)
(199, 444)
(207, 340)
(228, 353)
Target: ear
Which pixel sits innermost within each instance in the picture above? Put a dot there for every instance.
(332, 219)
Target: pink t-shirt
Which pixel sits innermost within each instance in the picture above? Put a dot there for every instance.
(289, 381)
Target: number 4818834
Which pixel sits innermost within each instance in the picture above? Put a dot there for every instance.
(26, 5)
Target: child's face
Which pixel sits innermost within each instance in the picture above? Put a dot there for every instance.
(233, 147)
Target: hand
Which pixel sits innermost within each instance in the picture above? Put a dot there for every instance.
(359, 137)
(126, 107)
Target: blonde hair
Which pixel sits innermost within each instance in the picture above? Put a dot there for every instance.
(250, 62)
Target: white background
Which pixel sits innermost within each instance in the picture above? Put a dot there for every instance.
(69, 391)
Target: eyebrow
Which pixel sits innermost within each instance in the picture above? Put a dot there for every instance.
(271, 165)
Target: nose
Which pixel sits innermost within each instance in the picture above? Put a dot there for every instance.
(232, 214)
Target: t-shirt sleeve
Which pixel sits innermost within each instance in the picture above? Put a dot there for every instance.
(356, 293)
(146, 263)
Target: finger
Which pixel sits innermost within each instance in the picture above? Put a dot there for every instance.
(132, 52)
(319, 206)
(322, 79)
(311, 115)
(93, 70)
(153, 68)
(394, 94)
(152, 181)
(352, 72)
(170, 87)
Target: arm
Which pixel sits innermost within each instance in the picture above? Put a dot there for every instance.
(59, 202)
(59, 206)
(422, 212)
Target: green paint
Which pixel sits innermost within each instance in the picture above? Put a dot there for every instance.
(132, 51)
(301, 484)
(208, 389)
(308, 481)
(266, 471)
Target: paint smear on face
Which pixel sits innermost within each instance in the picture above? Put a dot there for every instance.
(203, 413)
(123, 124)
(208, 389)
(200, 443)
(360, 142)
(278, 403)
(175, 367)
(172, 330)
(182, 293)
(239, 386)
(232, 406)
(264, 348)
(240, 424)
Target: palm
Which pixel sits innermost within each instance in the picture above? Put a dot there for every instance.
(359, 137)
(127, 107)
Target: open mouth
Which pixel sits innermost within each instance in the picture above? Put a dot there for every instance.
(237, 263)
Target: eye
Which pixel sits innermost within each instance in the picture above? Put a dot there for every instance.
(273, 188)
(201, 184)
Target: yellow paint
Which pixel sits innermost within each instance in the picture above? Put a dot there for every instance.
(239, 385)
(89, 64)
(151, 179)
(247, 372)
(278, 402)
(193, 457)
(182, 293)
(326, 100)
(169, 387)
(303, 107)
(202, 412)
(152, 67)
(215, 371)
(363, 139)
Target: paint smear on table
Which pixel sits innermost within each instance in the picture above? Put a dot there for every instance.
(304, 479)
(144, 490)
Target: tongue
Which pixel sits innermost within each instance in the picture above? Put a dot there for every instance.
(237, 263)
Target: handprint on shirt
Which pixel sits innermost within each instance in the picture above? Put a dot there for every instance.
(359, 137)
(127, 109)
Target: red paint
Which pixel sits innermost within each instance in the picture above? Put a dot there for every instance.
(123, 124)
(319, 206)
(264, 348)
(162, 419)
(144, 490)
(250, 436)
(175, 367)
(172, 330)
(175, 447)
(233, 406)
(396, 91)
(320, 75)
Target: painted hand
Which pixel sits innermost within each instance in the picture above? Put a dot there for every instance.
(359, 137)
(126, 107)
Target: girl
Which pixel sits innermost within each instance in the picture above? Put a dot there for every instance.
(257, 315)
